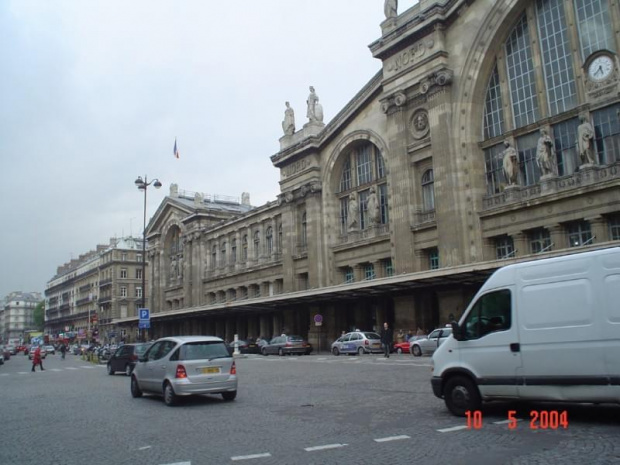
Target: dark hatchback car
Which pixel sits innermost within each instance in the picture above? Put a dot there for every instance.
(247, 346)
(287, 345)
(125, 358)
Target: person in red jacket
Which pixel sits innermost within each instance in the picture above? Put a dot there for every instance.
(37, 360)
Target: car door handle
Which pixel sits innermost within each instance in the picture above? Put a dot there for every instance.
(515, 347)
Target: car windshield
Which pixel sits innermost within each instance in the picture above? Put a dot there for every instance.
(142, 348)
(203, 350)
(372, 336)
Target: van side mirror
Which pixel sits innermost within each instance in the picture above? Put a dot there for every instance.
(456, 331)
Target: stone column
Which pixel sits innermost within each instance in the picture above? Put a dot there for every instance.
(404, 314)
(600, 231)
(358, 272)
(558, 237)
(265, 330)
(379, 270)
(520, 244)
(188, 251)
(276, 325)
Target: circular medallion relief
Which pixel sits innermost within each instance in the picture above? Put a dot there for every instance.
(419, 124)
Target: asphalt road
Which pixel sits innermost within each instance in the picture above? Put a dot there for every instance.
(290, 410)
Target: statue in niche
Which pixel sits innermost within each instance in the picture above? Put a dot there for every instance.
(353, 212)
(390, 8)
(173, 268)
(510, 163)
(315, 110)
(374, 213)
(585, 141)
(288, 125)
(180, 267)
(544, 153)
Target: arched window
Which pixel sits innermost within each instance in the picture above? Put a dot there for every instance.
(363, 167)
(244, 248)
(428, 190)
(269, 240)
(223, 254)
(537, 93)
(256, 244)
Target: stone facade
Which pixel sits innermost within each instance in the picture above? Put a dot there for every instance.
(425, 135)
(17, 314)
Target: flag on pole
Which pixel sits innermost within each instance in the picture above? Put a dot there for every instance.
(176, 151)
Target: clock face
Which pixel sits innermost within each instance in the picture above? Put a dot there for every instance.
(600, 68)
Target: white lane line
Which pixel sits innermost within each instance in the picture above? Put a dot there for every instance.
(55, 369)
(454, 428)
(325, 447)
(4, 374)
(144, 447)
(23, 372)
(503, 422)
(393, 438)
(178, 463)
(249, 457)
(70, 368)
(86, 366)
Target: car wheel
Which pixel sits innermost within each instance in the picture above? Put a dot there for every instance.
(135, 388)
(461, 395)
(128, 370)
(399, 351)
(360, 351)
(335, 351)
(110, 370)
(280, 352)
(416, 351)
(170, 398)
(263, 351)
(230, 395)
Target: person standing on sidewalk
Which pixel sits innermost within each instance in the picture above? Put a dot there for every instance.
(37, 360)
(387, 338)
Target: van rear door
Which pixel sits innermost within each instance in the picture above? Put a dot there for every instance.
(491, 349)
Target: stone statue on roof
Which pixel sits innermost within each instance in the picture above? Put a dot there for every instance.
(390, 8)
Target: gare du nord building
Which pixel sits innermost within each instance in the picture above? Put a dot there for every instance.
(434, 175)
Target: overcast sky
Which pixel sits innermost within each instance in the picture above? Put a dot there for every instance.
(93, 94)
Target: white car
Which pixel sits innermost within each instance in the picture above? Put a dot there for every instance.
(49, 350)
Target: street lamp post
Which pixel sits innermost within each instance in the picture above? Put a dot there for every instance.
(143, 184)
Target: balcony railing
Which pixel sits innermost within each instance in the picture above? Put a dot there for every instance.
(368, 233)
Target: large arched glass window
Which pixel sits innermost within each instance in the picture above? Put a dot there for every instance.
(428, 190)
(547, 95)
(363, 168)
(269, 240)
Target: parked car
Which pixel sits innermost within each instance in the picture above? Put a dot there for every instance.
(183, 366)
(33, 348)
(12, 348)
(49, 350)
(287, 345)
(6, 354)
(1, 357)
(22, 348)
(358, 342)
(405, 346)
(428, 345)
(125, 358)
(247, 346)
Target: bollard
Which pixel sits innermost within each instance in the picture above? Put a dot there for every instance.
(236, 343)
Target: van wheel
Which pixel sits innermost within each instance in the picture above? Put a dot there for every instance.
(110, 370)
(335, 351)
(135, 388)
(263, 351)
(170, 398)
(461, 395)
(416, 351)
(229, 395)
(360, 351)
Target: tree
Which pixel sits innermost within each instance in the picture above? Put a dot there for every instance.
(39, 316)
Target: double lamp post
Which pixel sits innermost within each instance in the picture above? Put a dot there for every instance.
(143, 184)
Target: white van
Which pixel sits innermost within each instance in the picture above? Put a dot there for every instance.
(545, 330)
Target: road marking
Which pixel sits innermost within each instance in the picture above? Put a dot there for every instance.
(55, 369)
(86, 366)
(454, 428)
(23, 372)
(144, 447)
(70, 368)
(4, 374)
(503, 422)
(179, 463)
(249, 457)
(325, 447)
(393, 438)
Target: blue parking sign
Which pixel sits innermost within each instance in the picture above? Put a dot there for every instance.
(144, 313)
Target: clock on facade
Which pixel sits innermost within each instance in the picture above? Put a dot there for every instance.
(600, 67)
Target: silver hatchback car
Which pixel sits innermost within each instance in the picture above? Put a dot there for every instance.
(428, 345)
(357, 342)
(183, 366)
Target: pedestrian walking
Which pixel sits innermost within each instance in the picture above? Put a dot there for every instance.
(386, 339)
(63, 350)
(37, 360)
